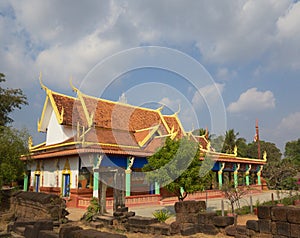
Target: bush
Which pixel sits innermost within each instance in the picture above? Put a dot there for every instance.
(162, 215)
(92, 210)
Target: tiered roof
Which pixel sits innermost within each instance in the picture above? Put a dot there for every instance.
(103, 126)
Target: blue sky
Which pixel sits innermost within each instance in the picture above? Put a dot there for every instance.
(249, 48)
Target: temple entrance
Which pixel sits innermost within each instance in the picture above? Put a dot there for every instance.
(66, 185)
(37, 183)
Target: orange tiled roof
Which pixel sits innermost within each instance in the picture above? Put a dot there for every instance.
(172, 122)
(116, 129)
(202, 140)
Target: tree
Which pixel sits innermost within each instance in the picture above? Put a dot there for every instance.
(176, 167)
(242, 147)
(217, 142)
(231, 141)
(10, 99)
(13, 144)
(277, 172)
(292, 152)
(202, 132)
(273, 153)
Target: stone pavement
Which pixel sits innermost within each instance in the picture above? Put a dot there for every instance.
(212, 204)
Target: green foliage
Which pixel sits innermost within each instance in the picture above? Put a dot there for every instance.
(274, 154)
(176, 166)
(280, 175)
(230, 141)
(292, 152)
(162, 215)
(217, 142)
(13, 144)
(10, 99)
(92, 210)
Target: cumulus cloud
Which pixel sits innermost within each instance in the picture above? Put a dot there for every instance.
(65, 40)
(225, 74)
(253, 100)
(206, 94)
(290, 124)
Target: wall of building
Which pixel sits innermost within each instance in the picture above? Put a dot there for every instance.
(57, 133)
(51, 172)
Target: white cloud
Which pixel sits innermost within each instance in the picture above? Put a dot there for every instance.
(65, 40)
(225, 74)
(209, 93)
(290, 124)
(253, 100)
(288, 129)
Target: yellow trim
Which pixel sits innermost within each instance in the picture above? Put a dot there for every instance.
(84, 143)
(148, 137)
(88, 117)
(222, 168)
(229, 155)
(43, 114)
(146, 129)
(164, 121)
(259, 171)
(248, 170)
(36, 146)
(265, 156)
(160, 108)
(237, 168)
(118, 103)
(173, 135)
(59, 116)
(175, 115)
(49, 93)
(41, 83)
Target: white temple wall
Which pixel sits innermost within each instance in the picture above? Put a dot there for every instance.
(51, 168)
(57, 133)
(50, 173)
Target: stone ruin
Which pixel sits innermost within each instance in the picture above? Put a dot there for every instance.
(191, 218)
(40, 215)
(273, 221)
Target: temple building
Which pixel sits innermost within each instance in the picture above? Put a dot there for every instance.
(86, 135)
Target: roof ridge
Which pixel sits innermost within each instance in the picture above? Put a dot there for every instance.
(119, 103)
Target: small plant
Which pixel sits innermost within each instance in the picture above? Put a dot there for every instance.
(162, 215)
(92, 210)
(257, 203)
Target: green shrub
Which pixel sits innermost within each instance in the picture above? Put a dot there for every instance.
(162, 215)
(93, 209)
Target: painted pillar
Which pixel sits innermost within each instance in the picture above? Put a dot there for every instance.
(181, 190)
(96, 164)
(25, 187)
(127, 182)
(247, 174)
(235, 175)
(157, 188)
(220, 175)
(130, 161)
(258, 175)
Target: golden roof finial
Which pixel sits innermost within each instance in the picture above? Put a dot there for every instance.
(72, 85)
(160, 108)
(30, 142)
(176, 113)
(41, 83)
